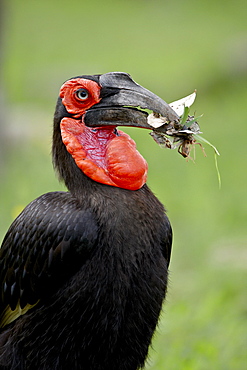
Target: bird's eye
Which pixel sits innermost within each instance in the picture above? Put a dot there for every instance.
(82, 94)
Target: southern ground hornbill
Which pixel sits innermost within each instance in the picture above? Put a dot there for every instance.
(83, 273)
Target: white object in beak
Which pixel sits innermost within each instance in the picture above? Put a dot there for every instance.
(178, 105)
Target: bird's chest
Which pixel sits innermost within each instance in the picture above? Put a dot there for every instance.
(127, 268)
(129, 249)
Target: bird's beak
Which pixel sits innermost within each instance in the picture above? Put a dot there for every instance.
(123, 103)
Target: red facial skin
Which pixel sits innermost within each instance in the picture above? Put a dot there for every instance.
(104, 154)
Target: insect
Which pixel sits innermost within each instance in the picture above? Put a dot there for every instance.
(185, 147)
(174, 135)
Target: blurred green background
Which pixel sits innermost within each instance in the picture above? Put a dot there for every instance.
(171, 48)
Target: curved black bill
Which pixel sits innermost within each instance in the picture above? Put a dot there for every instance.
(122, 103)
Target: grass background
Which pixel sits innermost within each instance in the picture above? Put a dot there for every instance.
(171, 48)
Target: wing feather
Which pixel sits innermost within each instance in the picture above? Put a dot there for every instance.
(47, 243)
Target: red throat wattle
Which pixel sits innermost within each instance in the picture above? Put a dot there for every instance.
(104, 154)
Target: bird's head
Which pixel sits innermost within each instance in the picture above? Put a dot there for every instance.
(88, 112)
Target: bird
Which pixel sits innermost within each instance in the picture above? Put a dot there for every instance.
(84, 272)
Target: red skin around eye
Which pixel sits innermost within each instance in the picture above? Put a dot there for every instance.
(104, 155)
(70, 100)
